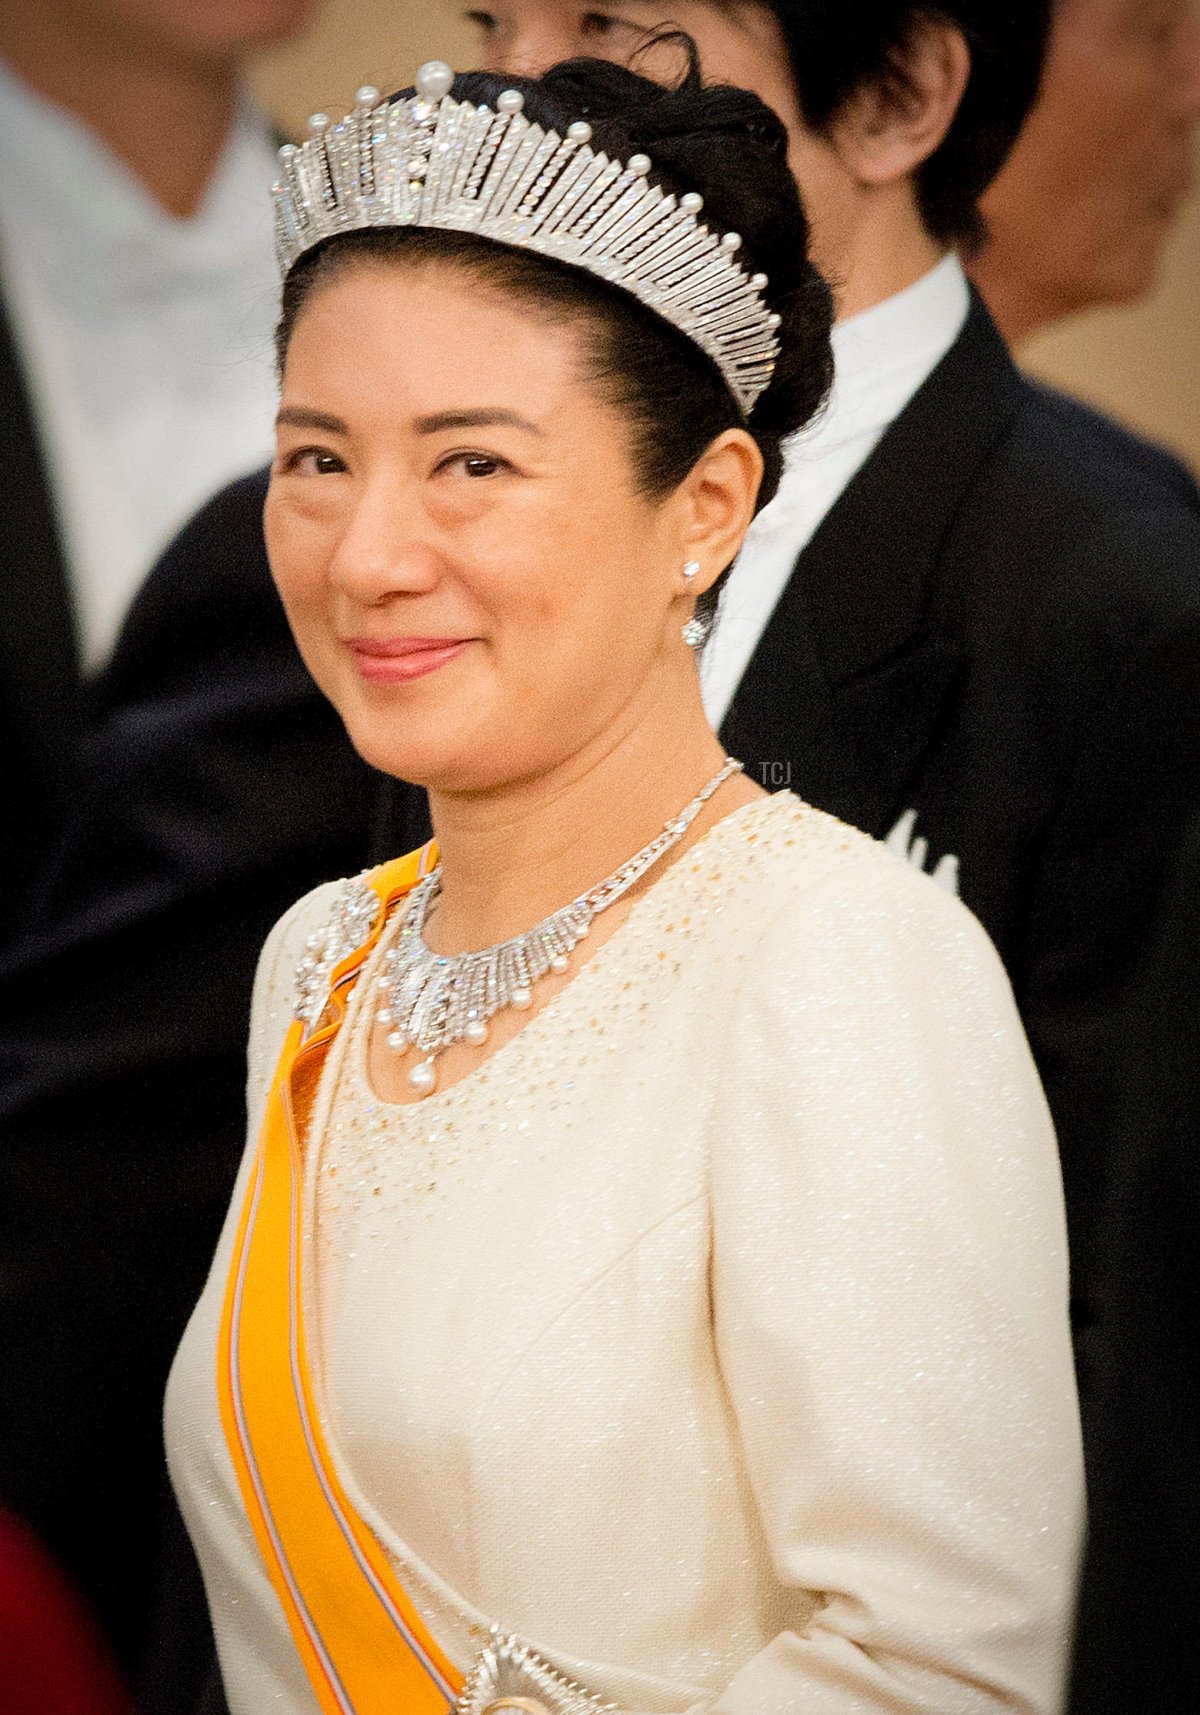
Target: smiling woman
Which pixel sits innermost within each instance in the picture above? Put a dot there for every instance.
(645, 1287)
(525, 537)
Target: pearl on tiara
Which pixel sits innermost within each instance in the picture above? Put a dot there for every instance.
(433, 80)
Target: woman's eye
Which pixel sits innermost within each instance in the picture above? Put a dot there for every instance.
(313, 461)
(477, 465)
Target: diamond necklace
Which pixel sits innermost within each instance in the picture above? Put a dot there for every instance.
(433, 999)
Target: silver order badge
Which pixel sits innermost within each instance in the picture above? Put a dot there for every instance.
(510, 1676)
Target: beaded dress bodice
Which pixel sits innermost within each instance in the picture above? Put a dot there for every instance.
(378, 1157)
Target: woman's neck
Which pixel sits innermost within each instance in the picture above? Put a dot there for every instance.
(132, 93)
(511, 857)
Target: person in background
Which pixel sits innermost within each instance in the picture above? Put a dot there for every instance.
(137, 299)
(1081, 212)
(135, 319)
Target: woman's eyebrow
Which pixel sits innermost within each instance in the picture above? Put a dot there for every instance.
(485, 417)
(300, 417)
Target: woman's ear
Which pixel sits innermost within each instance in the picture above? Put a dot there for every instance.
(889, 128)
(717, 499)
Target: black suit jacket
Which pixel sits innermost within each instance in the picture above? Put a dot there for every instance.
(45, 701)
(213, 785)
(41, 688)
(1138, 1641)
(995, 627)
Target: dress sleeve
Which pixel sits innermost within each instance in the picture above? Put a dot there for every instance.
(890, 1305)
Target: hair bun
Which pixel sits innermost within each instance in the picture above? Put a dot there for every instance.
(729, 146)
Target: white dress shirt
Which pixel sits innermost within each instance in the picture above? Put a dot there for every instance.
(881, 358)
(712, 1334)
(146, 339)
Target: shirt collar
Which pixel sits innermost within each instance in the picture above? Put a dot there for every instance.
(57, 168)
(883, 355)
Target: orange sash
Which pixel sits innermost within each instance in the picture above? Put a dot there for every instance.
(362, 1643)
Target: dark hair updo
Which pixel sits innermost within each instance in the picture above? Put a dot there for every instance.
(725, 144)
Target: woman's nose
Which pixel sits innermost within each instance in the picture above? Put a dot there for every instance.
(387, 547)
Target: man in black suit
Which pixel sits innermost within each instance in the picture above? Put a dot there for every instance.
(134, 342)
(213, 782)
(986, 650)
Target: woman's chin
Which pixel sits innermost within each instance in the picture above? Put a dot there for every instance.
(418, 764)
(435, 759)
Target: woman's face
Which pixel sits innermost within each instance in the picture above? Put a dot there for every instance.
(455, 528)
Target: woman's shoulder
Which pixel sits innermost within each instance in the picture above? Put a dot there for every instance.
(792, 849)
(277, 980)
(831, 932)
(803, 870)
(301, 951)
(325, 925)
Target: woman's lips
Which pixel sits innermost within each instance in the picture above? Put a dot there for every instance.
(397, 659)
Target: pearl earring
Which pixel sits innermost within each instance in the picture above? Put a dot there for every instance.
(695, 630)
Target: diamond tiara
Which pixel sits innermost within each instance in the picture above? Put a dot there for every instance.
(430, 161)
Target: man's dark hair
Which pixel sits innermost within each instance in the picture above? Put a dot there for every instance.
(839, 47)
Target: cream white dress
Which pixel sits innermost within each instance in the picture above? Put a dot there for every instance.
(713, 1334)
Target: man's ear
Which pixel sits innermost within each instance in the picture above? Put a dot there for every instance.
(888, 129)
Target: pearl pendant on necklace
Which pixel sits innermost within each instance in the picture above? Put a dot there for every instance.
(423, 1076)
